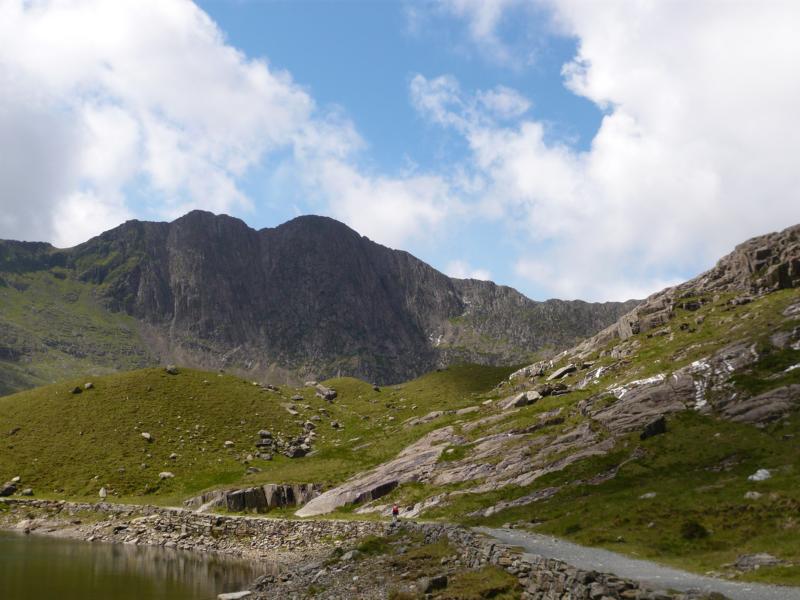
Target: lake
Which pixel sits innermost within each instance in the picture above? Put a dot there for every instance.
(45, 568)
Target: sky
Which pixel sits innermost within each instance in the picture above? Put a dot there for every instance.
(567, 148)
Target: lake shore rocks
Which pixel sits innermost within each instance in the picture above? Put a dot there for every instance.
(300, 551)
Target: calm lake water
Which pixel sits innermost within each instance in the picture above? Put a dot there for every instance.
(41, 568)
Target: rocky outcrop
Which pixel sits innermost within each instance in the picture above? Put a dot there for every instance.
(414, 463)
(310, 297)
(758, 266)
(257, 499)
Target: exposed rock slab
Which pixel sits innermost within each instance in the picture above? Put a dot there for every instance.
(413, 464)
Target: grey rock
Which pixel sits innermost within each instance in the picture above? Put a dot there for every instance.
(325, 393)
(7, 489)
(657, 427)
(562, 372)
(760, 475)
(171, 369)
(166, 475)
(751, 562)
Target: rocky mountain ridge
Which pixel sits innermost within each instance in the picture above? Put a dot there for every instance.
(310, 297)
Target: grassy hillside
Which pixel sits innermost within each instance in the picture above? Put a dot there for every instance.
(677, 498)
(69, 445)
(53, 326)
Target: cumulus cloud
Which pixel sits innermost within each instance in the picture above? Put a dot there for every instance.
(104, 98)
(461, 269)
(696, 152)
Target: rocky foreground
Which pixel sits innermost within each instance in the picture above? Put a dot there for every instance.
(335, 559)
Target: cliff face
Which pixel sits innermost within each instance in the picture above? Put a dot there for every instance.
(310, 296)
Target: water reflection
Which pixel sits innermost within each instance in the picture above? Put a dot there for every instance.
(39, 568)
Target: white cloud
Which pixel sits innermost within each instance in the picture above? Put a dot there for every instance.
(483, 19)
(697, 150)
(100, 97)
(461, 269)
(390, 210)
(145, 89)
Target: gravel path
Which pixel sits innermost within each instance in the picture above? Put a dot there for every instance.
(649, 573)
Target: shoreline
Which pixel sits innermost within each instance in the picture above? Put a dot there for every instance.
(306, 554)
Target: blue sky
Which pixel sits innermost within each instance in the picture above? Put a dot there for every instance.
(569, 149)
(361, 56)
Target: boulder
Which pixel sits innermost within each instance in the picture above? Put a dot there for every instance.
(88, 385)
(562, 372)
(751, 562)
(77, 389)
(519, 400)
(760, 475)
(171, 369)
(235, 595)
(166, 475)
(147, 437)
(103, 493)
(7, 489)
(27, 492)
(654, 428)
(325, 393)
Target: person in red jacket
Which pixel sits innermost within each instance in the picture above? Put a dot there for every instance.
(395, 514)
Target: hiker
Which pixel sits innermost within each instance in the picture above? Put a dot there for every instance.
(395, 514)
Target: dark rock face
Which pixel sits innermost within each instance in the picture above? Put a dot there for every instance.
(310, 296)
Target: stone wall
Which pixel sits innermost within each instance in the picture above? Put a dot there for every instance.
(543, 578)
(251, 537)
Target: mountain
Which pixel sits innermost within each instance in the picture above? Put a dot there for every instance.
(671, 435)
(309, 298)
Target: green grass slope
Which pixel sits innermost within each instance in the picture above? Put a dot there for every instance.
(69, 445)
(52, 327)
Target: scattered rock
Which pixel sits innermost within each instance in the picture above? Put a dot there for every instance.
(77, 390)
(7, 489)
(229, 444)
(27, 492)
(647, 496)
(350, 555)
(88, 385)
(760, 475)
(166, 475)
(171, 369)
(752, 495)
(173, 456)
(147, 437)
(103, 493)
